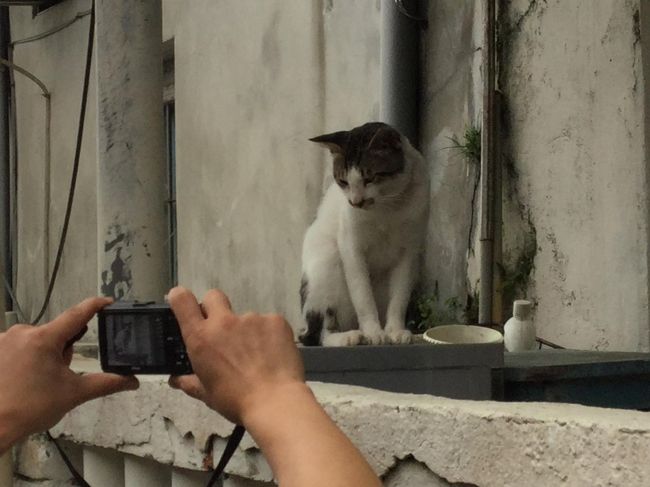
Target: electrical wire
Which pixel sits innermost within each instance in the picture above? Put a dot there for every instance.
(23, 71)
(54, 30)
(75, 168)
(68, 211)
(21, 315)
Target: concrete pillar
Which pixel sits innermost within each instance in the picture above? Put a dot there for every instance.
(140, 472)
(131, 176)
(189, 478)
(103, 468)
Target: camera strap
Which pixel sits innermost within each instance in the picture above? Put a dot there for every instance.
(76, 475)
(228, 452)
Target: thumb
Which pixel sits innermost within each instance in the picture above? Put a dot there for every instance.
(92, 386)
(190, 385)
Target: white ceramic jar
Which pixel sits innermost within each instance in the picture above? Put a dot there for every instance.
(519, 331)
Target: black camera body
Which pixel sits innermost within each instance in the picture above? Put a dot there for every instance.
(141, 338)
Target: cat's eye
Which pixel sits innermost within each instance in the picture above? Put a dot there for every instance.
(377, 177)
(343, 183)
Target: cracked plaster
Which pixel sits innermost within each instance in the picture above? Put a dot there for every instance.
(458, 441)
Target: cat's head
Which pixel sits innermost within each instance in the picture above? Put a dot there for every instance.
(369, 165)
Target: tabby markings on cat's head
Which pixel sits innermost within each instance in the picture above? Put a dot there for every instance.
(368, 163)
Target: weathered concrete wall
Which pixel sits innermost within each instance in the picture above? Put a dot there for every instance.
(408, 439)
(576, 167)
(249, 94)
(450, 103)
(249, 182)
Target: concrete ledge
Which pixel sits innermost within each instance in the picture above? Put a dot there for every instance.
(477, 442)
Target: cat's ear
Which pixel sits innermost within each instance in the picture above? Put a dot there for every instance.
(335, 142)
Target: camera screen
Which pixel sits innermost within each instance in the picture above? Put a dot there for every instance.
(135, 339)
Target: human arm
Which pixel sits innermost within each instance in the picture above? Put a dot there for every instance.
(37, 386)
(249, 369)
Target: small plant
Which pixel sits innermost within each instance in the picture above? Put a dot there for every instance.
(470, 145)
(430, 311)
(515, 280)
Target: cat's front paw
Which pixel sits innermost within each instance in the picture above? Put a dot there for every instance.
(373, 338)
(343, 339)
(399, 337)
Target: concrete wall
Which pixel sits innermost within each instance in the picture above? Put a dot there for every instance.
(451, 101)
(576, 174)
(252, 89)
(249, 182)
(409, 440)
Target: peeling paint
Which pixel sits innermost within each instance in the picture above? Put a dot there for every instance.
(117, 280)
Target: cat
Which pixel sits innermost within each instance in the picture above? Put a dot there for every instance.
(361, 254)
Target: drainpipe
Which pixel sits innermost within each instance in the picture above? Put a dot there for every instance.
(488, 165)
(131, 172)
(5, 161)
(6, 467)
(399, 48)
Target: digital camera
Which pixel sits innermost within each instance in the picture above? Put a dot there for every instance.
(141, 338)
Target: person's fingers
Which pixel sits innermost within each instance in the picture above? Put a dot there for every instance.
(92, 386)
(215, 303)
(186, 309)
(190, 385)
(71, 322)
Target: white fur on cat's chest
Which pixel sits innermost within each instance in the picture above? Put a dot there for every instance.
(380, 244)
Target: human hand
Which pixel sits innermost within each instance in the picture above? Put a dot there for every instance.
(37, 386)
(238, 361)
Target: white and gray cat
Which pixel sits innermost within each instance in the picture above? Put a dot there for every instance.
(361, 255)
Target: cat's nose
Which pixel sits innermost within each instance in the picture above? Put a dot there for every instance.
(362, 203)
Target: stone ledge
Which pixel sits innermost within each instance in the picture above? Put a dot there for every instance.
(476, 442)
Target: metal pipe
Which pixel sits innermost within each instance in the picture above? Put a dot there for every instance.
(399, 48)
(13, 221)
(52, 31)
(6, 460)
(497, 251)
(46, 172)
(488, 145)
(5, 159)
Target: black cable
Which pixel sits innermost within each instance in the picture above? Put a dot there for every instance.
(77, 476)
(66, 222)
(228, 452)
(75, 168)
(12, 295)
